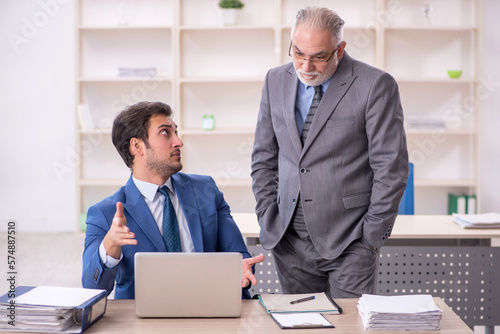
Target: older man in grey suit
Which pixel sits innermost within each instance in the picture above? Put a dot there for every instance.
(329, 163)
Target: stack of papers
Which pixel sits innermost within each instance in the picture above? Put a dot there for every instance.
(485, 220)
(51, 309)
(136, 72)
(426, 123)
(407, 312)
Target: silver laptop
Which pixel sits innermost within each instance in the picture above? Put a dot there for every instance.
(188, 284)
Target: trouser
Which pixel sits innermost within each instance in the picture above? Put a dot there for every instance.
(301, 269)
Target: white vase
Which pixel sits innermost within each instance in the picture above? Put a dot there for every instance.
(229, 16)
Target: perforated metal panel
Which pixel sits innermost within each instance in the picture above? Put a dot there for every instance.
(466, 277)
(265, 272)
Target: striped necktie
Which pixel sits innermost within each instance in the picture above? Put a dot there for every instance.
(312, 110)
(170, 228)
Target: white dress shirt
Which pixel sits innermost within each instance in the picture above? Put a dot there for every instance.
(155, 202)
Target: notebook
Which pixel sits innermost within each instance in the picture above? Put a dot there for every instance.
(188, 284)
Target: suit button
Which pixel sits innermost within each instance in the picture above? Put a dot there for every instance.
(293, 201)
(302, 171)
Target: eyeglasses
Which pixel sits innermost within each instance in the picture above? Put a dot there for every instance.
(315, 59)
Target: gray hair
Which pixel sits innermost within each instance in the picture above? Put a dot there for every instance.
(320, 19)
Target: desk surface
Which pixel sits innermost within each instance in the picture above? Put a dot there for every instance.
(120, 317)
(406, 227)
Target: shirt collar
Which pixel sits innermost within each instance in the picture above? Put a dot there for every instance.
(149, 190)
(324, 84)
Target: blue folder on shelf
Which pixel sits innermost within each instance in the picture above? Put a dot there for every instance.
(51, 309)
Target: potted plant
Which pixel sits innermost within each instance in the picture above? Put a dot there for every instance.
(229, 10)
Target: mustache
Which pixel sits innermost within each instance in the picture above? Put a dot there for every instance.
(309, 73)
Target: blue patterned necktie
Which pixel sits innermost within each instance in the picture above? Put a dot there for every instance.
(170, 228)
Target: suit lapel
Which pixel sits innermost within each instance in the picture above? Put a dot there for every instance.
(142, 216)
(289, 89)
(340, 84)
(187, 199)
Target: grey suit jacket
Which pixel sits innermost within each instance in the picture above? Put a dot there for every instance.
(353, 168)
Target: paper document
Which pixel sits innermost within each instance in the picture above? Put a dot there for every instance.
(57, 296)
(485, 220)
(301, 320)
(321, 303)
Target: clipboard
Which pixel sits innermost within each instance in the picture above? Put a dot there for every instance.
(301, 320)
(282, 303)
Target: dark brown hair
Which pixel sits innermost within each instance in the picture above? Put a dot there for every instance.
(133, 122)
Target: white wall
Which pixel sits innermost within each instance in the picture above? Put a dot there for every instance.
(490, 127)
(37, 114)
(36, 108)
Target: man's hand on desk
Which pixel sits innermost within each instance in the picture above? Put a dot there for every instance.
(248, 275)
(119, 234)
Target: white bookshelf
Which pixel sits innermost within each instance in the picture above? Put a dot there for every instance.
(204, 67)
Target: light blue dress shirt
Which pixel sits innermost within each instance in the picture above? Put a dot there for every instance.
(305, 95)
(155, 202)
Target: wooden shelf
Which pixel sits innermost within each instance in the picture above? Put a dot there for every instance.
(431, 28)
(200, 60)
(452, 132)
(213, 79)
(436, 80)
(158, 78)
(235, 27)
(102, 182)
(124, 27)
(217, 132)
(444, 183)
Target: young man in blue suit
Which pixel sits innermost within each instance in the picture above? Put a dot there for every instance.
(132, 221)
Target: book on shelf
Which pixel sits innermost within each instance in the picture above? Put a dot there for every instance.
(462, 204)
(85, 117)
(484, 220)
(299, 303)
(471, 206)
(51, 309)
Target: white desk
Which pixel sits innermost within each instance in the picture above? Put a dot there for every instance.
(425, 254)
(405, 227)
(120, 318)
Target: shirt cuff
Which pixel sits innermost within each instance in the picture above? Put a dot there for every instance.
(108, 261)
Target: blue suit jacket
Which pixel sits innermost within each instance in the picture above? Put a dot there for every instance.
(208, 216)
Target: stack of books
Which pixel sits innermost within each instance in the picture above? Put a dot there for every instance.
(485, 220)
(406, 312)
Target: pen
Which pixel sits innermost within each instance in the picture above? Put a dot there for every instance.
(302, 300)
